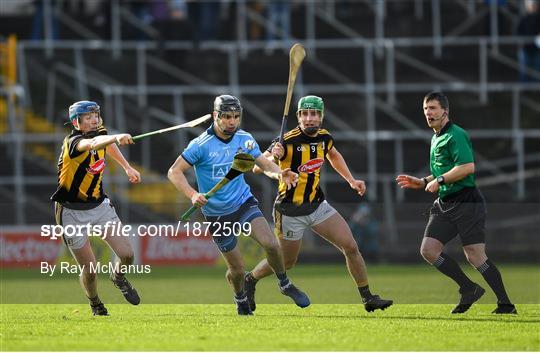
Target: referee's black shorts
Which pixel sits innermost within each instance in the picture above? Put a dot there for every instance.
(462, 213)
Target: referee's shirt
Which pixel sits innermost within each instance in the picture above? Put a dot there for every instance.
(449, 148)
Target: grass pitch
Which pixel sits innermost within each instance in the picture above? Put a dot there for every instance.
(275, 327)
(190, 309)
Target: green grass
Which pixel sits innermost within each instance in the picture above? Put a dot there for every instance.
(190, 309)
(275, 327)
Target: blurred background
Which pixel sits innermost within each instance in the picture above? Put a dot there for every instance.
(153, 64)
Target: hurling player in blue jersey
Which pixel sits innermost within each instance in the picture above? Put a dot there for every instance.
(211, 154)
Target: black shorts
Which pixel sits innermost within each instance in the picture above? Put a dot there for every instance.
(463, 213)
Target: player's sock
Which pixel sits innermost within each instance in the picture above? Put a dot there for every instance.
(283, 280)
(449, 267)
(118, 275)
(249, 277)
(95, 300)
(240, 295)
(365, 292)
(493, 277)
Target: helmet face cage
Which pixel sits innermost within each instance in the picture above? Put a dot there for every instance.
(83, 107)
(311, 103)
(227, 103)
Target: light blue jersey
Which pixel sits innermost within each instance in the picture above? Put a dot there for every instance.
(212, 158)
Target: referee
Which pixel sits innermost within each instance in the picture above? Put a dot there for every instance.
(459, 209)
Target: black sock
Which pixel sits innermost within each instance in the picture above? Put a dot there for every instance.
(250, 278)
(94, 301)
(240, 295)
(448, 266)
(493, 277)
(118, 275)
(364, 292)
(283, 280)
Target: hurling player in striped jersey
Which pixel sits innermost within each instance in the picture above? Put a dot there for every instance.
(304, 150)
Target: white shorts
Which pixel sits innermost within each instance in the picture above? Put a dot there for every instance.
(292, 228)
(99, 215)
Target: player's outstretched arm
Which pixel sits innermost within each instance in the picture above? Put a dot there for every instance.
(338, 163)
(103, 141)
(272, 170)
(257, 169)
(177, 177)
(133, 174)
(277, 153)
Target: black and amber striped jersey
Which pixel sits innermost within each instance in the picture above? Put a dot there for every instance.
(305, 155)
(80, 173)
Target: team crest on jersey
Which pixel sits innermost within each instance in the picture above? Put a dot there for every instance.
(250, 144)
(311, 166)
(97, 167)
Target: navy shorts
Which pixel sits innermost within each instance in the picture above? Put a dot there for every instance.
(245, 214)
(464, 214)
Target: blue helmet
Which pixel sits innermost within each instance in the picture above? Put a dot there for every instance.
(82, 107)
